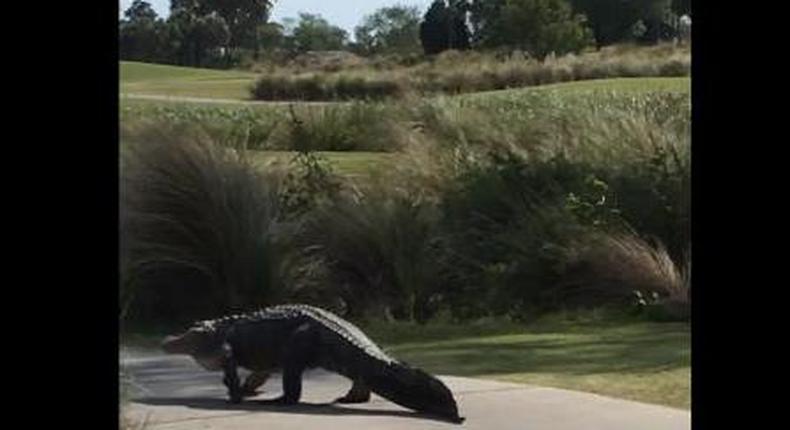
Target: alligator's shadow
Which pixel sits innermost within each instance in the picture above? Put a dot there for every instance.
(262, 406)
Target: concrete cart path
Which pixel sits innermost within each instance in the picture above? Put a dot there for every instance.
(172, 392)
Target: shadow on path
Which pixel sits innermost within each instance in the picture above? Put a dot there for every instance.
(262, 406)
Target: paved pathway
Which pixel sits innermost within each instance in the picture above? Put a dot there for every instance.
(172, 392)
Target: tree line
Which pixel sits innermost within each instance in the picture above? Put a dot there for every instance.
(219, 33)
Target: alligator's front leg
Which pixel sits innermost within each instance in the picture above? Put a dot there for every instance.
(231, 374)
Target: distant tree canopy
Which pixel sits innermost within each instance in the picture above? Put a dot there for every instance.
(393, 29)
(142, 35)
(537, 26)
(681, 7)
(218, 32)
(140, 11)
(241, 16)
(444, 27)
(311, 32)
(198, 37)
(271, 35)
(197, 33)
(613, 21)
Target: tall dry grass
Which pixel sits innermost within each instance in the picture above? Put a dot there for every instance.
(202, 232)
(612, 267)
(454, 72)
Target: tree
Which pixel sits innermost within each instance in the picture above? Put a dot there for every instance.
(390, 29)
(241, 16)
(141, 33)
(612, 21)
(196, 37)
(271, 35)
(444, 27)
(681, 7)
(140, 11)
(536, 26)
(653, 13)
(484, 18)
(313, 33)
(211, 32)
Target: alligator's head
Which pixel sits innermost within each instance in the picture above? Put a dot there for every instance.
(201, 341)
(433, 396)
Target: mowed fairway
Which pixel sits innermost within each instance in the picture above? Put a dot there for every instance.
(163, 80)
(647, 362)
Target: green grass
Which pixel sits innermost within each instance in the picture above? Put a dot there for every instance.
(622, 85)
(647, 362)
(157, 79)
(629, 359)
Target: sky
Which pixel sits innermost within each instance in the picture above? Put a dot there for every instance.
(346, 14)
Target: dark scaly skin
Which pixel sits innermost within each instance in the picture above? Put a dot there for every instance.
(292, 338)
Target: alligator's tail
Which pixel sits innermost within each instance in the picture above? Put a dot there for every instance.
(414, 389)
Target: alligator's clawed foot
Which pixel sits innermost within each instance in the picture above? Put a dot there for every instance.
(279, 401)
(349, 399)
(251, 393)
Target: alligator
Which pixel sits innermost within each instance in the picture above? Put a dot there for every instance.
(293, 338)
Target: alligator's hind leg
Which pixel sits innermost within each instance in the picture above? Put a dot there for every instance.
(359, 393)
(254, 381)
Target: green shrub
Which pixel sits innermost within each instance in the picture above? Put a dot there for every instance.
(273, 87)
(365, 88)
(674, 68)
(351, 127)
(377, 251)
